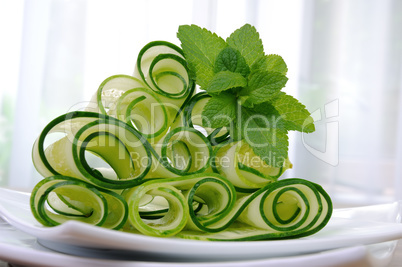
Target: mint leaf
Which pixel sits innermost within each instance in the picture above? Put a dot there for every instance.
(271, 63)
(265, 135)
(230, 59)
(295, 114)
(273, 118)
(262, 86)
(245, 88)
(219, 111)
(247, 41)
(225, 80)
(200, 47)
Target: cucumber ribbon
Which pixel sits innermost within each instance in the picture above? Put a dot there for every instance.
(139, 159)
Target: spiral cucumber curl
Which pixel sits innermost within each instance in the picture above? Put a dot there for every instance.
(139, 159)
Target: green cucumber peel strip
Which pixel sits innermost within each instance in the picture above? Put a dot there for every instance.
(63, 206)
(113, 87)
(238, 231)
(203, 226)
(191, 132)
(173, 52)
(114, 210)
(193, 187)
(181, 156)
(151, 211)
(172, 221)
(122, 110)
(228, 161)
(94, 120)
(154, 81)
(156, 112)
(86, 121)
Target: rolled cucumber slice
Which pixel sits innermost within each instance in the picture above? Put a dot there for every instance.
(143, 109)
(247, 171)
(57, 199)
(289, 208)
(286, 208)
(183, 151)
(181, 193)
(124, 152)
(162, 67)
(111, 89)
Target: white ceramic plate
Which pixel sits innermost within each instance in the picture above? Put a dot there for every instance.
(20, 248)
(347, 228)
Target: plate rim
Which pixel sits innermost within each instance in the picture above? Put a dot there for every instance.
(81, 234)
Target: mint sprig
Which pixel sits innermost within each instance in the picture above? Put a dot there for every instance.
(246, 89)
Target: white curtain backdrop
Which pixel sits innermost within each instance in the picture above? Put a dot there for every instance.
(344, 59)
(351, 72)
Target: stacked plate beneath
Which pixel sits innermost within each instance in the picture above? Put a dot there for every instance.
(363, 236)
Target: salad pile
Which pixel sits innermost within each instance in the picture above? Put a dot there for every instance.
(192, 145)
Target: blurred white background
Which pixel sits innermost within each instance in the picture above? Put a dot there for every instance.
(344, 59)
